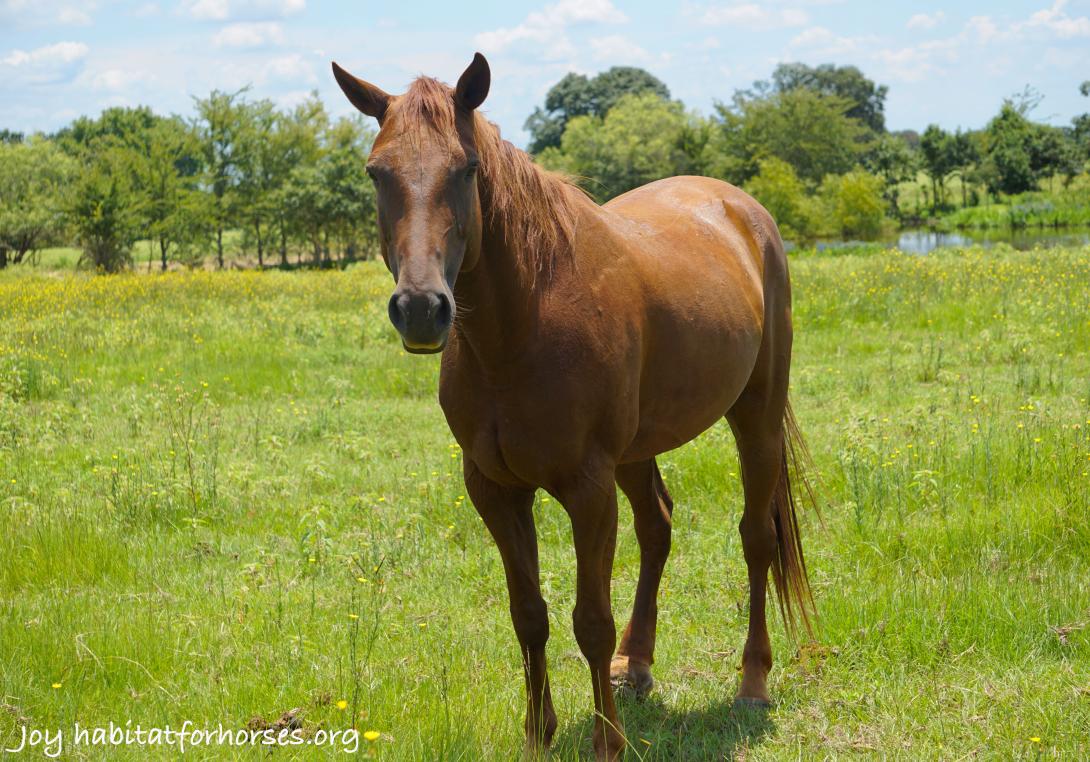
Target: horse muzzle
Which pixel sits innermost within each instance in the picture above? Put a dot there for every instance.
(423, 318)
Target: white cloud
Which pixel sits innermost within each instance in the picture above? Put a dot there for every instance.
(617, 49)
(293, 68)
(74, 16)
(818, 40)
(924, 21)
(16, 13)
(61, 52)
(982, 29)
(228, 10)
(249, 35)
(548, 27)
(115, 79)
(1056, 21)
(59, 62)
(753, 16)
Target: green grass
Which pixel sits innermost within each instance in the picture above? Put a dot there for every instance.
(1027, 210)
(197, 469)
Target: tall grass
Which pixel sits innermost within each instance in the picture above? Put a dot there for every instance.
(230, 495)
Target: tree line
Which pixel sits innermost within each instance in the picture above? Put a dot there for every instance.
(283, 184)
(287, 186)
(810, 142)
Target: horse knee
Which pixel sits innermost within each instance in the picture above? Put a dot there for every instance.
(758, 536)
(531, 620)
(595, 632)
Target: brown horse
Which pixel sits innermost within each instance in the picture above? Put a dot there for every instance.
(580, 341)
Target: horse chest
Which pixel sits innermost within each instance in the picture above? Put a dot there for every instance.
(494, 431)
(521, 435)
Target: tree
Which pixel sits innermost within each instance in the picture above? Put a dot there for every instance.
(104, 208)
(867, 99)
(785, 196)
(1052, 151)
(963, 155)
(351, 203)
(295, 141)
(937, 159)
(260, 169)
(33, 179)
(854, 204)
(894, 162)
(174, 210)
(810, 131)
(1010, 166)
(307, 200)
(638, 140)
(1080, 132)
(577, 95)
(8, 136)
(128, 127)
(221, 121)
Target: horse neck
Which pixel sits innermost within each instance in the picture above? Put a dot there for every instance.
(498, 299)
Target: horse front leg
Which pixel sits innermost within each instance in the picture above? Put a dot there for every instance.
(651, 511)
(592, 507)
(508, 514)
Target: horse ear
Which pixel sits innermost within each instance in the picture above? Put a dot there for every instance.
(366, 97)
(473, 84)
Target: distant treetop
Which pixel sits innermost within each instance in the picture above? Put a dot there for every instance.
(867, 98)
(577, 95)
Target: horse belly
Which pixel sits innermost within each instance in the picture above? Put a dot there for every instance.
(697, 361)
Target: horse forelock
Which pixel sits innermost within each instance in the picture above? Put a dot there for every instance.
(533, 207)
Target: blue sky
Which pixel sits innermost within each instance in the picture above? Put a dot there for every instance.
(950, 63)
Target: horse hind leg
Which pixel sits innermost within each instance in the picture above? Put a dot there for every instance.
(651, 511)
(761, 425)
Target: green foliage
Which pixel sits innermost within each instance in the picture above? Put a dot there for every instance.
(222, 125)
(854, 204)
(176, 214)
(867, 99)
(810, 131)
(33, 179)
(1020, 152)
(785, 196)
(1034, 209)
(130, 127)
(894, 161)
(577, 95)
(943, 154)
(639, 140)
(849, 205)
(105, 208)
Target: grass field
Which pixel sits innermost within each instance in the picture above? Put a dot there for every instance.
(228, 495)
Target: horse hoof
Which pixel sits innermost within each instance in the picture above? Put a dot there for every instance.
(625, 673)
(749, 703)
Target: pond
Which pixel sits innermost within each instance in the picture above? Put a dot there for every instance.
(924, 241)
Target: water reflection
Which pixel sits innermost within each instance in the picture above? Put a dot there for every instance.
(924, 241)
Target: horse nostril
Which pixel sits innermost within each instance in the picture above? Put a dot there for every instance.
(445, 315)
(398, 309)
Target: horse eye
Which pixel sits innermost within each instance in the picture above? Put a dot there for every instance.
(471, 170)
(370, 172)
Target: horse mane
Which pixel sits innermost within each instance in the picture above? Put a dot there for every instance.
(534, 207)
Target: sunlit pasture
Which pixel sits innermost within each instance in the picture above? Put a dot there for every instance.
(228, 495)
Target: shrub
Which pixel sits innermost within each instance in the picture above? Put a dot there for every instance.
(853, 204)
(784, 195)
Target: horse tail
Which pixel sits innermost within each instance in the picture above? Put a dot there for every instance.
(788, 565)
